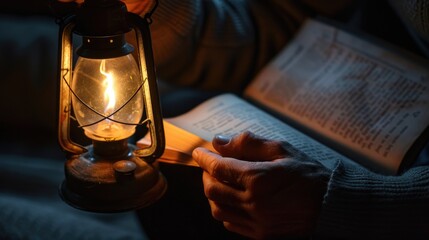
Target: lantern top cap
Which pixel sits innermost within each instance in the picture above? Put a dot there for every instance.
(102, 18)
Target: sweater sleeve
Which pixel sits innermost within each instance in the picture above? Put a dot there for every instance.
(360, 204)
(415, 16)
(221, 45)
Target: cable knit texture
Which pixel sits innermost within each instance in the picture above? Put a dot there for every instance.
(416, 14)
(360, 204)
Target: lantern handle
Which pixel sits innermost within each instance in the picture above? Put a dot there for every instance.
(65, 62)
(148, 15)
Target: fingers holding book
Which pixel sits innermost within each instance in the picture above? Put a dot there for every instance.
(237, 186)
(248, 146)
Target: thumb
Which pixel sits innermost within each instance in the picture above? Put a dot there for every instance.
(248, 146)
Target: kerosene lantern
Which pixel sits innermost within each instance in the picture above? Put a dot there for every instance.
(109, 93)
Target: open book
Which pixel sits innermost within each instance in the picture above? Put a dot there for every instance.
(334, 96)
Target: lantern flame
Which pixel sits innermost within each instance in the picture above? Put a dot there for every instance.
(109, 93)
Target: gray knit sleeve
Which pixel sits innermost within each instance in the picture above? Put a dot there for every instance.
(415, 15)
(360, 204)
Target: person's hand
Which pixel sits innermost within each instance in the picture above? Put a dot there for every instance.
(139, 7)
(261, 188)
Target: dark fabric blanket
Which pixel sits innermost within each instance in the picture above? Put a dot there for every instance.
(32, 209)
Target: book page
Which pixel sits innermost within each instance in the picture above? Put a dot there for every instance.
(367, 101)
(179, 145)
(227, 114)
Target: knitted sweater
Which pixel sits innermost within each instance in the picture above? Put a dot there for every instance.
(223, 44)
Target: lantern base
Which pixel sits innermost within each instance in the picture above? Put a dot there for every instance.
(87, 204)
(97, 184)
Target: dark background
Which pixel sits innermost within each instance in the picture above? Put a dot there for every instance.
(183, 212)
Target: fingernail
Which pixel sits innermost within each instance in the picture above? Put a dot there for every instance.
(195, 153)
(222, 140)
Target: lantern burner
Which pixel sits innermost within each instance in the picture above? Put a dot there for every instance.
(109, 178)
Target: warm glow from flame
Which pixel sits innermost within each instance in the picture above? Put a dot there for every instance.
(109, 93)
(104, 108)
